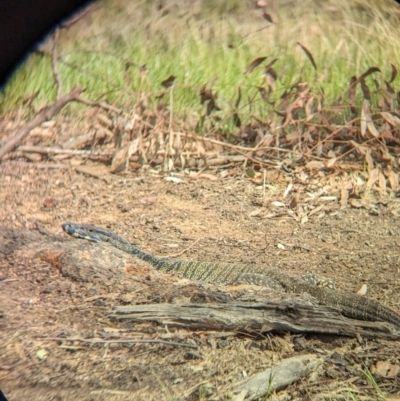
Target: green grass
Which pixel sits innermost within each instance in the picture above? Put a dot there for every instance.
(213, 40)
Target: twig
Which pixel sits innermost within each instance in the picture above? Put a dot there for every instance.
(253, 33)
(17, 155)
(46, 114)
(46, 150)
(77, 17)
(332, 134)
(127, 340)
(102, 105)
(36, 165)
(262, 162)
(193, 389)
(185, 250)
(54, 64)
(353, 148)
(242, 148)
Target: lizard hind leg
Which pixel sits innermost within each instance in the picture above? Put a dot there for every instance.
(260, 280)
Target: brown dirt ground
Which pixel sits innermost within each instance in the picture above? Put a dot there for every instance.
(232, 219)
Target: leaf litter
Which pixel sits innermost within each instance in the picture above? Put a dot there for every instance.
(321, 154)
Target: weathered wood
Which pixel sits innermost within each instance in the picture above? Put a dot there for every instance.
(44, 115)
(283, 313)
(280, 376)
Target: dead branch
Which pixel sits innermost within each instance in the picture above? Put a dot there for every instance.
(287, 372)
(37, 165)
(78, 17)
(283, 313)
(46, 114)
(102, 105)
(100, 134)
(119, 341)
(102, 156)
(54, 63)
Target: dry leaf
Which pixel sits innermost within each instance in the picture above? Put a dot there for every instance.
(344, 197)
(147, 200)
(255, 63)
(328, 198)
(304, 219)
(200, 149)
(363, 290)
(387, 369)
(372, 129)
(316, 210)
(308, 108)
(394, 74)
(176, 180)
(288, 190)
(255, 213)
(270, 81)
(331, 162)
(393, 180)
(267, 17)
(352, 90)
(167, 83)
(278, 204)
(373, 177)
(391, 119)
(309, 55)
(211, 177)
(370, 71)
(366, 120)
(315, 165)
(369, 160)
(182, 160)
(363, 120)
(360, 148)
(121, 158)
(365, 89)
(382, 182)
(356, 203)
(294, 201)
(177, 144)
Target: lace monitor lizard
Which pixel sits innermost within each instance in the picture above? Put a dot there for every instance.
(351, 305)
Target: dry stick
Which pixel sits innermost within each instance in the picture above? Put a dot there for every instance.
(54, 64)
(98, 155)
(128, 340)
(354, 148)
(46, 114)
(45, 151)
(77, 17)
(185, 250)
(102, 105)
(242, 149)
(36, 165)
(257, 161)
(171, 107)
(254, 33)
(347, 125)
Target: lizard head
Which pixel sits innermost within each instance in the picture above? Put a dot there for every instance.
(83, 231)
(93, 233)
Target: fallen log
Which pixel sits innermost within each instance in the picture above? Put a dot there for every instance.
(282, 313)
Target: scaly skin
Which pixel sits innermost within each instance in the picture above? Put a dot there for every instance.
(351, 305)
